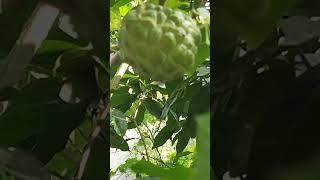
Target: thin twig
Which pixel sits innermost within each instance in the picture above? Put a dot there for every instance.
(141, 135)
(148, 129)
(152, 138)
(119, 176)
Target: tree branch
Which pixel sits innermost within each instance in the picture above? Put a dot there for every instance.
(118, 76)
(33, 34)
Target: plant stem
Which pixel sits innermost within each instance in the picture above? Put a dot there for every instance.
(157, 150)
(141, 135)
(119, 74)
(35, 31)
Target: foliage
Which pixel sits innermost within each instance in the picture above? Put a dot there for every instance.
(54, 117)
(266, 95)
(163, 114)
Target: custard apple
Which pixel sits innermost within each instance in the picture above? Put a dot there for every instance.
(158, 42)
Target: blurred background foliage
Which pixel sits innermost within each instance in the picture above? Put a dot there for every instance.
(266, 89)
(52, 121)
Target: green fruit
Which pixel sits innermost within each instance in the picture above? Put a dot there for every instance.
(158, 42)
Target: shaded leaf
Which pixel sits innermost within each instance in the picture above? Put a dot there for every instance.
(40, 90)
(49, 46)
(117, 141)
(139, 117)
(154, 107)
(171, 100)
(120, 120)
(49, 142)
(122, 99)
(74, 61)
(24, 164)
(82, 85)
(299, 29)
(162, 137)
(183, 140)
(97, 165)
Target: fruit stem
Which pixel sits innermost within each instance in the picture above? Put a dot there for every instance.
(119, 74)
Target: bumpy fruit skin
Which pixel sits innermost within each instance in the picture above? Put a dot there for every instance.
(159, 43)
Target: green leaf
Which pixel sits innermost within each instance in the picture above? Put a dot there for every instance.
(50, 46)
(22, 163)
(154, 107)
(171, 100)
(200, 103)
(203, 146)
(179, 155)
(180, 172)
(120, 3)
(102, 73)
(120, 120)
(122, 100)
(81, 85)
(128, 163)
(49, 142)
(74, 61)
(263, 18)
(139, 117)
(97, 164)
(146, 167)
(162, 137)
(183, 140)
(115, 20)
(40, 90)
(172, 126)
(117, 141)
(125, 9)
(149, 168)
(36, 108)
